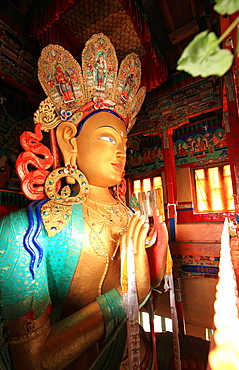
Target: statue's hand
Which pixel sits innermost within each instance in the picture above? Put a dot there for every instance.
(136, 233)
(157, 253)
(160, 228)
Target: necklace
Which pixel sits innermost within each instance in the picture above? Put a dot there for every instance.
(107, 223)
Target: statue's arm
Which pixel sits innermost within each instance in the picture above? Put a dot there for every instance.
(62, 343)
(59, 345)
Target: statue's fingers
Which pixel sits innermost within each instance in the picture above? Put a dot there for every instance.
(142, 237)
(136, 231)
(131, 227)
(157, 218)
(123, 241)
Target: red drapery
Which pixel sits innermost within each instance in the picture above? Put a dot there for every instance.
(154, 70)
(153, 74)
(49, 28)
(44, 20)
(60, 34)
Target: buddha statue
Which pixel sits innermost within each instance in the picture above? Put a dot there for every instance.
(67, 260)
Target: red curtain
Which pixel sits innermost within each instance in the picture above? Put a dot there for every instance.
(153, 74)
(52, 13)
(47, 31)
(154, 70)
(60, 34)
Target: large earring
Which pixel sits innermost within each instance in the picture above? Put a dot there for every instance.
(70, 180)
(56, 213)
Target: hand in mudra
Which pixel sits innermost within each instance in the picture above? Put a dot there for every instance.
(160, 228)
(137, 233)
(158, 256)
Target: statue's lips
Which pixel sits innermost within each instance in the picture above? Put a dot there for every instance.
(118, 165)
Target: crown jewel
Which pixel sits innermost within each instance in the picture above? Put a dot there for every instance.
(75, 92)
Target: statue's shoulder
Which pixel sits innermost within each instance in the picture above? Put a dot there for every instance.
(13, 222)
(13, 254)
(13, 228)
(17, 284)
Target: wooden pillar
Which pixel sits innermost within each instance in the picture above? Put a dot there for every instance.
(233, 135)
(170, 177)
(171, 191)
(230, 111)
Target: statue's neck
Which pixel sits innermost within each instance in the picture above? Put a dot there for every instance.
(101, 195)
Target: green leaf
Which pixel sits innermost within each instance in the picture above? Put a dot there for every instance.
(203, 57)
(226, 6)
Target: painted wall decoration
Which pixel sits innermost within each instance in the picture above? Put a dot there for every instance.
(147, 159)
(207, 145)
(176, 108)
(195, 266)
(18, 60)
(134, 142)
(194, 145)
(20, 95)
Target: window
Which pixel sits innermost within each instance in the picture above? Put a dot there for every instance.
(161, 324)
(149, 192)
(213, 189)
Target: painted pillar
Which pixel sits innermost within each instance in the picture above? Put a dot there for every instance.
(230, 110)
(233, 136)
(171, 191)
(171, 185)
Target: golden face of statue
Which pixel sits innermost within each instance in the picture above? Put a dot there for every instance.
(101, 149)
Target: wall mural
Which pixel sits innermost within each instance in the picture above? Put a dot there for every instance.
(175, 108)
(205, 146)
(18, 59)
(195, 266)
(19, 98)
(202, 147)
(146, 157)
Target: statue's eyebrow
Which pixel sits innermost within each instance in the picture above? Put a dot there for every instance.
(107, 126)
(125, 137)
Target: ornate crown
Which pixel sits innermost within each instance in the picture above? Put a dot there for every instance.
(74, 92)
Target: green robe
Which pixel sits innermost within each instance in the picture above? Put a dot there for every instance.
(20, 294)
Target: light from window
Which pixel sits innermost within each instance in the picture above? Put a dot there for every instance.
(137, 186)
(145, 197)
(157, 182)
(209, 334)
(146, 185)
(228, 186)
(214, 189)
(161, 324)
(201, 194)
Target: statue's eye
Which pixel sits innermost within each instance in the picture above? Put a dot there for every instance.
(107, 138)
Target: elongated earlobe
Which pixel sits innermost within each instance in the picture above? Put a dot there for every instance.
(65, 135)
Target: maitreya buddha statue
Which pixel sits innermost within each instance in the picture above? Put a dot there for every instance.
(74, 261)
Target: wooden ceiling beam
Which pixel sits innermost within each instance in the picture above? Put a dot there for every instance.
(193, 6)
(183, 32)
(168, 14)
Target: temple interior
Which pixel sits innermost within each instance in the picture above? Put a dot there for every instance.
(182, 153)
